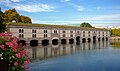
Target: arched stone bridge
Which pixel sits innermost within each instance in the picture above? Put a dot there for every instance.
(34, 34)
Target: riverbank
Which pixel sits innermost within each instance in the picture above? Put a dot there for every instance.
(115, 38)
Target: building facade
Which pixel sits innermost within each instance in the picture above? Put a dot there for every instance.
(39, 33)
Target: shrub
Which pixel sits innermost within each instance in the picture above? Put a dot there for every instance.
(14, 54)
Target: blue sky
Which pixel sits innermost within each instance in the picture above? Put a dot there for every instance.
(67, 12)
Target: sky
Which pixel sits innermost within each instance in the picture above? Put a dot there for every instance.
(67, 12)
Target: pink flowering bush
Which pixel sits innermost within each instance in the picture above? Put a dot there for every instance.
(13, 53)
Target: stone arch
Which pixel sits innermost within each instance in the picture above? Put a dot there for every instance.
(71, 41)
(103, 39)
(45, 42)
(63, 41)
(83, 40)
(34, 42)
(106, 38)
(77, 39)
(23, 42)
(89, 39)
(55, 40)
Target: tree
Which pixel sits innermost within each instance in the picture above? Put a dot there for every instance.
(12, 14)
(84, 24)
(24, 19)
(2, 25)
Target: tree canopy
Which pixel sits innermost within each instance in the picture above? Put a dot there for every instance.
(85, 24)
(2, 25)
(115, 32)
(12, 14)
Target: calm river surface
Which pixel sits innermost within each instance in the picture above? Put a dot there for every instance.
(99, 56)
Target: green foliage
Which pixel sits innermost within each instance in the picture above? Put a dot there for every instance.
(84, 24)
(2, 25)
(24, 19)
(115, 32)
(12, 14)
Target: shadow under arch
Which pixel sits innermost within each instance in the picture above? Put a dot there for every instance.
(71, 41)
(45, 42)
(78, 40)
(89, 39)
(34, 42)
(23, 42)
(84, 40)
(63, 41)
(55, 41)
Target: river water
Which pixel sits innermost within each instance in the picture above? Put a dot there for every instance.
(99, 56)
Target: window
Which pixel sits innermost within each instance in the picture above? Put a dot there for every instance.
(55, 31)
(89, 32)
(45, 35)
(83, 31)
(33, 31)
(89, 35)
(21, 31)
(63, 31)
(78, 32)
(21, 36)
(84, 35)
(71, 35)
(63, 35)
(45, 31)
(71, 31)
(102, 32)
(34, 35)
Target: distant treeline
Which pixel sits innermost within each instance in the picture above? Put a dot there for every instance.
(115, 32)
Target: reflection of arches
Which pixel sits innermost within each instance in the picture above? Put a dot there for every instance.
(103, 39)
(98, 39)
(71, 41)
(106, 38)
(94, 38)
(55, 41)
(45, 42)
(83, 40)
(23, 42)
(89, 39)
(77, 40)
(63, 41)
(34, 43)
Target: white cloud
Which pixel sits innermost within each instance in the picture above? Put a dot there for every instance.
(34, 7)
(108, 8)
(78, 7)
(67, 0)
(15, 0)
(111, 17)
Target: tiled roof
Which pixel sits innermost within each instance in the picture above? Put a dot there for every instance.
(54, 26)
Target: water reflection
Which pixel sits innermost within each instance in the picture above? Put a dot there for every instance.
(115, 43)
(43, 52)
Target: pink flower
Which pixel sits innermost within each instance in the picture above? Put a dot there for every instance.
(3, 47)
(14, 50)
(25, 63)
(16, 63)
(22, 66)
(18, 55)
